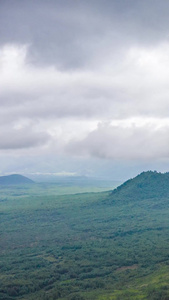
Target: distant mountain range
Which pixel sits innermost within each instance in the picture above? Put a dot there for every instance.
(15, 179)
(146, 185)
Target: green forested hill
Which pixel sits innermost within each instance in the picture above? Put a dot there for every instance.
(146, 185)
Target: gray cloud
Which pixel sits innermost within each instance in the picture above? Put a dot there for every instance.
(70, 33)
(128, 143)
(20, 138)
(135, 85)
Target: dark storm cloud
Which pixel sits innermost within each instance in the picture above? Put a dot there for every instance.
(70, 33)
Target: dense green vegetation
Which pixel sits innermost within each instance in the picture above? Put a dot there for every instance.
(147, 185)
(103, 246)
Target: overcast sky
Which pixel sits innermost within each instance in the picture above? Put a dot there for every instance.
(84, 87)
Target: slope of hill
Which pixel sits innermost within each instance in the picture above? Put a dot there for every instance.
(146, 185)
(15, 179)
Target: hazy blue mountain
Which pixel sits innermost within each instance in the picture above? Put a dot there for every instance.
(15, 179)
(144, 186)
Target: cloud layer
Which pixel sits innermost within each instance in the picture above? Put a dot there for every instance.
(85, 79)
(42, 97)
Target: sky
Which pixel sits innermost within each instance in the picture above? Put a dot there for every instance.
(84, 87)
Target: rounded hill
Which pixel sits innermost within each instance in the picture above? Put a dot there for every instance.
(145, 185)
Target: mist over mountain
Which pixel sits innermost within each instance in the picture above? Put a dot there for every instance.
(146, 185)
(15, 179)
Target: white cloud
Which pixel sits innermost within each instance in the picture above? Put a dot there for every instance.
(135, 84)
(126, 140)
(63, 108)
